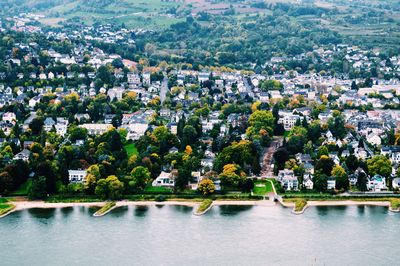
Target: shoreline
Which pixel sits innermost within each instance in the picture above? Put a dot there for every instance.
(24, 205)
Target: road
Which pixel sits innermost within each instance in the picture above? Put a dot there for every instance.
(164, 89)
(267, 170)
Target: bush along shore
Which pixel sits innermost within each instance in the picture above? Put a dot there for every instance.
(204, 207)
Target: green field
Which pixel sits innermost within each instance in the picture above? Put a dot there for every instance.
(131, 149)
(133, 13)
(262, 188)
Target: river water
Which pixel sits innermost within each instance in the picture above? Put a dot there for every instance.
(227, 235)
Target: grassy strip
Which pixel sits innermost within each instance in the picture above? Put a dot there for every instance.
(131, 149)
(204, 205)
(5, 208)
(152, 197)
(299, 204)
(395, 204)
(3, 200)
(105, 208)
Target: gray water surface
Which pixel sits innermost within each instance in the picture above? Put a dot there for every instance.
(227, 235)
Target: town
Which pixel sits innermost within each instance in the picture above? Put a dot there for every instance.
(78, 120)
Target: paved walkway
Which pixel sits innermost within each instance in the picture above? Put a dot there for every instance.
(266, 168)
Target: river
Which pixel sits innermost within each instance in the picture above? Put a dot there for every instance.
(227, 235)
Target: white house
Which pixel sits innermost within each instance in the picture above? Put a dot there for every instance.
(331, 183)
(377, 183)
(35, 100)
(164, 180)
(97, 129)
(9, 117)
(116, 92)
(23, 155)
(136, 128)
(289, 121)
(288, 180)
(77, 176)
(396, 183)
(374, 139)
(61, 126)
(307, 181)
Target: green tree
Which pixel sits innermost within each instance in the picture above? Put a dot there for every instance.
(324, 165)
(115, 187)
(206, 187)
(320, 182)
(261, 125)
(6, 182)
(37, 189)
(362, 182)
(322, 150)
(140, 176)
(341, 177)
(102, 188)
(336, 125)
(380, 165)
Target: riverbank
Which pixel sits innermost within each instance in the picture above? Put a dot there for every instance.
(23, 205)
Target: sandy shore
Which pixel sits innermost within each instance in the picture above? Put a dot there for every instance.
(349, 203)
(23, 205)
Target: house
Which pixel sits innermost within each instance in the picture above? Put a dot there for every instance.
(396, 183)
(307, 181)
(97, 129)
(335, 158)
(173, 150)
(303, 158)
(288, 180)
(115, 93)
(27, 144)
(374, 139)
(108, 118)
(48, 124)
(194, 183)
(82, 117)
(377, 183)
(289, 121)
(136, 128)
(23, 155)
(331, 183)
(207, 163)
(35, 100)
(393, 152)
(165, 112)
(264, 97)
(10, 118)
(77, 176)
(353, 179)
(164, 180)
(61, 126)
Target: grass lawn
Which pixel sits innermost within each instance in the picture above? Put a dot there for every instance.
(160, 190)
(204, 205)
(4, 208)
(261, 188)
(131, 149)
(3, 200)
(23, 189)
